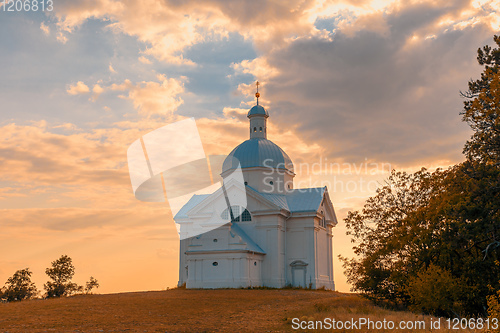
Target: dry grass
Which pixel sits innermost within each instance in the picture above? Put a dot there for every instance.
(181, 310)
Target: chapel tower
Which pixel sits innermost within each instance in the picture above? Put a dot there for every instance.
(265, 166)
(258, 119)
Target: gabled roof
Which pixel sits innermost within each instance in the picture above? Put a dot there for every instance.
(298, 200)
(278, 200)
(251, 245)
(193, 202)
(295, 201)
(305, 199)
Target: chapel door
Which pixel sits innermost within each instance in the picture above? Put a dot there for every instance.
(299, 279)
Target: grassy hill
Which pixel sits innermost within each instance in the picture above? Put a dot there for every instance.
(181, 310)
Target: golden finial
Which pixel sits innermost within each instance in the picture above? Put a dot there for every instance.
(257, 93)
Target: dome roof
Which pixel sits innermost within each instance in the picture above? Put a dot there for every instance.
(257, 152)
(257, 109)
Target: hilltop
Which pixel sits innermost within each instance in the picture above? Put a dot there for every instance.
(181, 310)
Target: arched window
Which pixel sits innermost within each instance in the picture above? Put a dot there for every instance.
(246, 217)
(240, 214)
(255, 129)
(260, 128)
(323, 220)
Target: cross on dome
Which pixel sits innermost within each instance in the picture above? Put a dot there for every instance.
(257, 93)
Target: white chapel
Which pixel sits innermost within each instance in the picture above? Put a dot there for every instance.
(280, 236)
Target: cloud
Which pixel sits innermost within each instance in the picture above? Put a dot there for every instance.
(169, 27)
(97, 90)
(61, 37)
(259, 67)
(45, 29)
(75, 218)
(157, 98)
(373, 92)
(237, 113)
(78, 89)
(41, 157)
(145, 60)
(148, 97)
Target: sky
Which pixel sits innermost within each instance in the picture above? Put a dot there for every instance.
(353, 87)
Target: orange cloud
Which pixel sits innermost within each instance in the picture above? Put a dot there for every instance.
(157, 97)
(45, 29)
(78, 88)
(148, 97)
(170, 27)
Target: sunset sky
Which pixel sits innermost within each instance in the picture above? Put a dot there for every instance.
(357, 85)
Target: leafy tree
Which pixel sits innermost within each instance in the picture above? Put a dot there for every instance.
(91, 284)
(482, 108)
(445, 222)
(61, 273)
(392, 238)
(19, 287)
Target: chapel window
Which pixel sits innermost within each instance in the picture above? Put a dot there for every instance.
(240, 214)
(246, 217)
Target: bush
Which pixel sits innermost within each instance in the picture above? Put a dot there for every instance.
(91, 284)
(435, 291)
(494, 308)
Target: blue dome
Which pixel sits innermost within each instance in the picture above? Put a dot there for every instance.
(257, 109)
(258, 152)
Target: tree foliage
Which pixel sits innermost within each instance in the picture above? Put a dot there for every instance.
(435, 290)
(91, 284)
(482, 109)
(438, 228)
(19, 287)
(61, 273)
(389, 239)
(494, 308)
